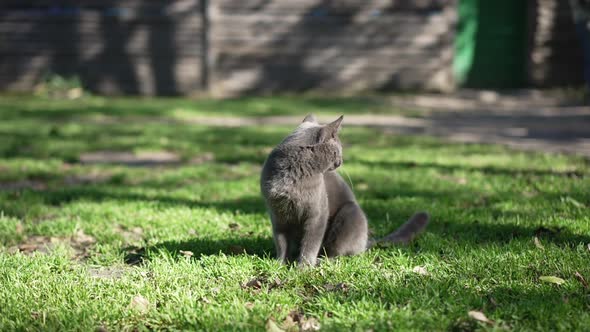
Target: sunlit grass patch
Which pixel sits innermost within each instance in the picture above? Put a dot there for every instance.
(186, 244)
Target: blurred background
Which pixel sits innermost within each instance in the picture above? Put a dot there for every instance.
(133, 132)
(229, 48)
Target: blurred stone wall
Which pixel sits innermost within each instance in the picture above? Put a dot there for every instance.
(227, 47)
(270, 45)
(143, 47)
(554, 53)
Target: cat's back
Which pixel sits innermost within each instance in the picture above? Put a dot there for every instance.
(268, 172)
(276, 179)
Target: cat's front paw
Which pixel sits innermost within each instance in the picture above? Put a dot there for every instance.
(304, 263)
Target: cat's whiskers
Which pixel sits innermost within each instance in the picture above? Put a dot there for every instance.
(348, 176)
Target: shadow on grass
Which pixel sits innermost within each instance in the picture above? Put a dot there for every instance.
(470, 235)
(248, 204)
(69, 142)
(254, 246)
(478, 225)
(46, 109)
(475, 233)
(492, 170)
(540, 304)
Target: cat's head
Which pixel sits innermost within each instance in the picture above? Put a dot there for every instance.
(310, 132)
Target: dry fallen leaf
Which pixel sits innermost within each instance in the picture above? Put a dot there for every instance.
(102, 328)
(82, 238)
(336, 287)
(420, 270)
(276, 282)
(296, 318)
(290, 321)
(38, 243)
(309, 324)
(582, 280)
(538, 243)
(552, 279)
(140, 304)
(479, 316)
(187, 253)
(257, 283)
(31, 247)
(271, 326)
(253, 283)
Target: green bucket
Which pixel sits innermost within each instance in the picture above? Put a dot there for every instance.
(490, 47)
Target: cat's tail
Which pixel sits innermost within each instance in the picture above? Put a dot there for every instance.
(406, 232)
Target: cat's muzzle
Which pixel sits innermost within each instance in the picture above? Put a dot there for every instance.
(336, 164)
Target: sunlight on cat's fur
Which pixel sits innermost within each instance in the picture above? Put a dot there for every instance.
(311, 207)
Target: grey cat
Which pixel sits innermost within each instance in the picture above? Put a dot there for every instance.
(311, 208)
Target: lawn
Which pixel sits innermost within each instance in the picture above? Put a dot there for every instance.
(183, 242)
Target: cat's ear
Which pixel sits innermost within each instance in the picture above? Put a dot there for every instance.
(330, 130)
(335, 126)
(310, 118)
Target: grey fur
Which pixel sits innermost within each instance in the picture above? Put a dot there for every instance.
(311, 208)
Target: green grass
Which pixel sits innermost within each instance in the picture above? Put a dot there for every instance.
(487, 203)
(100, 108)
